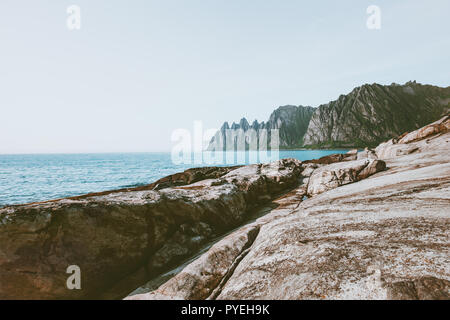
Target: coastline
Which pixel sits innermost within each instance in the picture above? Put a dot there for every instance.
(46, 177)
(150, 230)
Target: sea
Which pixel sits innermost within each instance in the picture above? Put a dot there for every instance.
(41, 177)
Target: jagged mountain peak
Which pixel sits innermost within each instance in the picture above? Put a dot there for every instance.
(225, 125)
(367, 115)
(243, 124)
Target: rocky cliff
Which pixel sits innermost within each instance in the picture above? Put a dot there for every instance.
(371, 114)
(367, 116)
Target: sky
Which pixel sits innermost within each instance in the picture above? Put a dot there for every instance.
(139, 69)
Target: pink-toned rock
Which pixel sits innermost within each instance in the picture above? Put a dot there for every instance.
(440, 126)
(403, 145)
(373, 167)
(342, 173)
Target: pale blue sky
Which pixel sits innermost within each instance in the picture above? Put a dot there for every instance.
(139, 69)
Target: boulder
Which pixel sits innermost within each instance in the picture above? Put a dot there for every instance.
(372, 167)
(367, 154)
(339, 174)
(404, 145)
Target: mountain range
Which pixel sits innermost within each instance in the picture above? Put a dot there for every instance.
(366, 116)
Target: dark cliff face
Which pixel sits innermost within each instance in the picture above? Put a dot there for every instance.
(366, 116)
(372, 113)
(292, 122)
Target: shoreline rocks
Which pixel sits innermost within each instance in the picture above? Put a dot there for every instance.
(384, 237)
(364, 225)
(119, 235)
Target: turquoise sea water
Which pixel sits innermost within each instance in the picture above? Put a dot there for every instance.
(30, 178)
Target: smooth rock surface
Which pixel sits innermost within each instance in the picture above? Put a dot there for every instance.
(342, 173)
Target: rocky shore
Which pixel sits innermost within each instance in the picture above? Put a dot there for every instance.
(384, 237)
(366, 225)
(120, 239)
